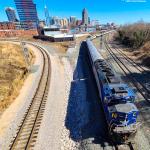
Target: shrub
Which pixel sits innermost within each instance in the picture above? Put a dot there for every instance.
(134, 35)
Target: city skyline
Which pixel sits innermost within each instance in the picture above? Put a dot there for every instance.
(117, 11)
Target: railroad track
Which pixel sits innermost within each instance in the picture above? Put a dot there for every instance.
(137, 66)
(28, 130)
(139, 85)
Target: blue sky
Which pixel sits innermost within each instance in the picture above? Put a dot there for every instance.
(119, 11)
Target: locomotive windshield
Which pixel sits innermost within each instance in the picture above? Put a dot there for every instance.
(116, 101)
(119, 100)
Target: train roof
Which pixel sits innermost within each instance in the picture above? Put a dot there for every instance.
(93, 51)
(124, 108)
(101, 64)
(104, 68)
(112, 83)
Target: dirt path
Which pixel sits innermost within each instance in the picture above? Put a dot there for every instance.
(50, 131)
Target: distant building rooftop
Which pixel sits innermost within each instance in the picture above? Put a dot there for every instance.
(62, 35)
(52, 27)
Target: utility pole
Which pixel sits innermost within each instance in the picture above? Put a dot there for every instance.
(101, 42)
(25, 53)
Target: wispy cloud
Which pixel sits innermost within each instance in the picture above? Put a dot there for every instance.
(135, 1)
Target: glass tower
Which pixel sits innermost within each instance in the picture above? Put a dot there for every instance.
(26, 10)
(11, 14)
(85, 20)
(47, 17)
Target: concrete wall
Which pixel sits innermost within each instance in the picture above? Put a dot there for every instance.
(53, 39)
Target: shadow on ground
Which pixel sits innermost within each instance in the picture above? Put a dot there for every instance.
(85, 119)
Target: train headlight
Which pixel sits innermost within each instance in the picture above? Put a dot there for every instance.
(114, 115)
(134, 114)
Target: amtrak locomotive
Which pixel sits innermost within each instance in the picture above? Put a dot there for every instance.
(116, 97)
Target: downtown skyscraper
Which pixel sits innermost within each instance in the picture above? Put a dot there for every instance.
(11, 14)
(48, 19)
(85, 18)
(27, 11)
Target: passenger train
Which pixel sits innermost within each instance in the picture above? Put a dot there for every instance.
(117, 98)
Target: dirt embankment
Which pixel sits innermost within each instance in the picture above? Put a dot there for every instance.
(140, 55)
(137, 37)
(13, 72)
(143, 54)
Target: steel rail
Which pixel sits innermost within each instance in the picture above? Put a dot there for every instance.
(28, 130)
(125, 70)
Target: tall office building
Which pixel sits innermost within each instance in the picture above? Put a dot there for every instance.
(55, 21)
(27, 11)
(64, 22)
(89, 20)
(85, 19)
(72, 19)
(11, 14)
(47, 17)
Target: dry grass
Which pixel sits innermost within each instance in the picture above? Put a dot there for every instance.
(143, 54)
(96, 43)
(13, 71)
(137, 38)
(60, 46)
(134, 35)
(79, 39)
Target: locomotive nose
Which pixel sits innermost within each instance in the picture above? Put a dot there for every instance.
(125, 119)
(132, 117)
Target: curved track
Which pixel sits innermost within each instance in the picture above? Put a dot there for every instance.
(29, 127)
(139, 85)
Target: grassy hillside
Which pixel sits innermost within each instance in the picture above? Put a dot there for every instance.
(13, 71)
(143, 54)
(137, 37)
